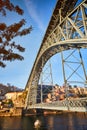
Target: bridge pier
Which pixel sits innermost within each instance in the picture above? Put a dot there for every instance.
(34, 111)
(39, 111)
(28, 112)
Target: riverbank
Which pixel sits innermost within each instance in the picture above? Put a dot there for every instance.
(11, 112)
(55, 112)
(33, 112)
(8, 112)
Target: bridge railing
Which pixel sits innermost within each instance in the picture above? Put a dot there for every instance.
(79, 104)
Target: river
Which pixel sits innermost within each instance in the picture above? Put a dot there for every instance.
(67, 121)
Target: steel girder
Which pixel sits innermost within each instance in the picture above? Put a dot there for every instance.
(77, 105)
(69, 33)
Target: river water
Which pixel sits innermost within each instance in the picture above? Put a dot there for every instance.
(67, 121)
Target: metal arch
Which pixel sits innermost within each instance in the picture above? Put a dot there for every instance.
(58, 15)
(69, 28)
(70, 33)
(53, 50)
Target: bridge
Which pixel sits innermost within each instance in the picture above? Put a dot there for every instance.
(75, 105)
(67, 30)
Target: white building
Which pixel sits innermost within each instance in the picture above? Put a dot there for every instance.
(13, 95)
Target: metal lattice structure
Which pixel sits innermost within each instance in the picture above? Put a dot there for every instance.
(78, 105)
(45, 82)
(67, 30)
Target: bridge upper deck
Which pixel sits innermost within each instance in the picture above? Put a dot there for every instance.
(62, 6)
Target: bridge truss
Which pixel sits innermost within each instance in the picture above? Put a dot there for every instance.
(67, 30)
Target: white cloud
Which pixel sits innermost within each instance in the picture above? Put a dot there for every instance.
(32, 10)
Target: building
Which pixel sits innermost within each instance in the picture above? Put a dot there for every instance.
(13, 95)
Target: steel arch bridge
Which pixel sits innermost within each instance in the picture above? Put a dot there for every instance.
(67, 30)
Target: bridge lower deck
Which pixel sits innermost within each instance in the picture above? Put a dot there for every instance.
(75, 105)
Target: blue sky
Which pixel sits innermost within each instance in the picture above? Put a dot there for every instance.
(37, 13)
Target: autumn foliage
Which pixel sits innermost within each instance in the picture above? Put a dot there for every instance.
(8, 47)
